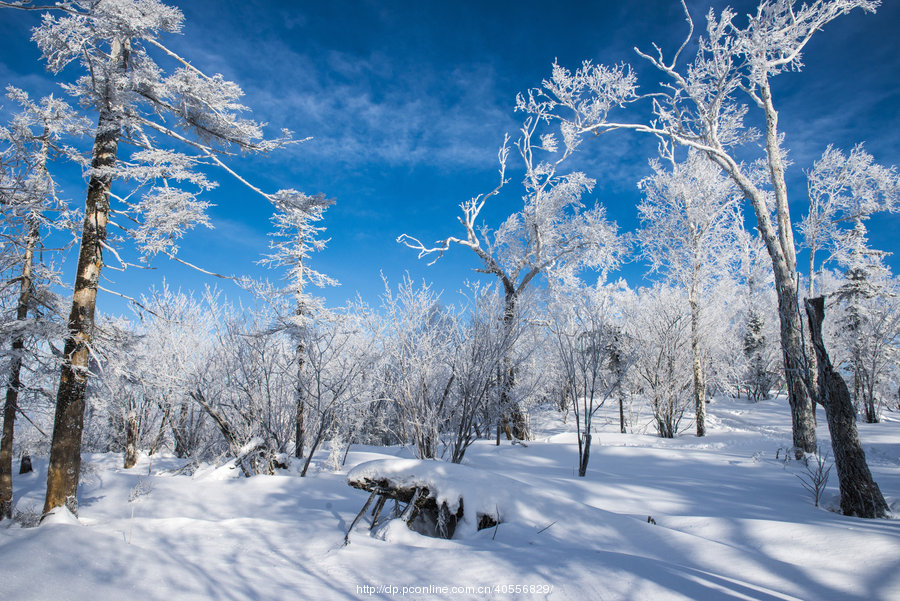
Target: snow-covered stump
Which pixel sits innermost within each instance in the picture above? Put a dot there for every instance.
(439, 497)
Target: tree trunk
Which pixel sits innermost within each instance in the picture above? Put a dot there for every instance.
(870, 405)
(15, 370)
(780, 246)
(515, 420)
(699, 380)
(317, 440)
(299, 430)
(160, 437)
(812, 362)
(18, 349)
(802, 414)
(784, 270)
(131, 440)
(585, 455)
(65, 448)
(9, 418)
(860, 495)
(234, 444)
(802, 409)
(182, 434)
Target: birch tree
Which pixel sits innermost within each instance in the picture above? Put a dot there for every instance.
(31, 209)
(175, 122)
(554, 234)
(702, 104)
(689, 218)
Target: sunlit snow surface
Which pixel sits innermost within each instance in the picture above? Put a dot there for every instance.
(732, 522)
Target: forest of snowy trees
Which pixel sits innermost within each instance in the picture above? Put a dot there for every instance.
(545, 321)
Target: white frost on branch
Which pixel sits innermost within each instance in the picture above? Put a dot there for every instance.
(177, 120)
(845, 190)
(554, 233)
(296, 237)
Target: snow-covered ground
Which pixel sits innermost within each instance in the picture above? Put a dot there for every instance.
(732, 521)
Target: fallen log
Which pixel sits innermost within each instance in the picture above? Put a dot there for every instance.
(426, 489)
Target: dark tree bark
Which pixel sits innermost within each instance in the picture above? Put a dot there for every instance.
(18, 349)
(584, 454)
(12, 390)
(227, 433)
(9, 419)
(325, 422)
(616, 364)
(860, 495)
(299, 430)
(802, 415)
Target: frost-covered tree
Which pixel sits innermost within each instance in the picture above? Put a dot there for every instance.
(177, 338)
(416, 373)
(844, 191)
(295, 238)
(554, 234)
(759, 369)
(659, 326)
(586, 337)
(871, 334)
(481, 348)
(145, 370)
(690, 218)
(866, 281)
(441, 370)
(338, 361)
(31, 208)
(174, 119)
(702, 104)
(246, 385)
(121, 393)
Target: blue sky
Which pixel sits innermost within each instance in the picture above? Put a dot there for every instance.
(407, 103)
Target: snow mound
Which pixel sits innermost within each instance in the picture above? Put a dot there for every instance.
(60, 515)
